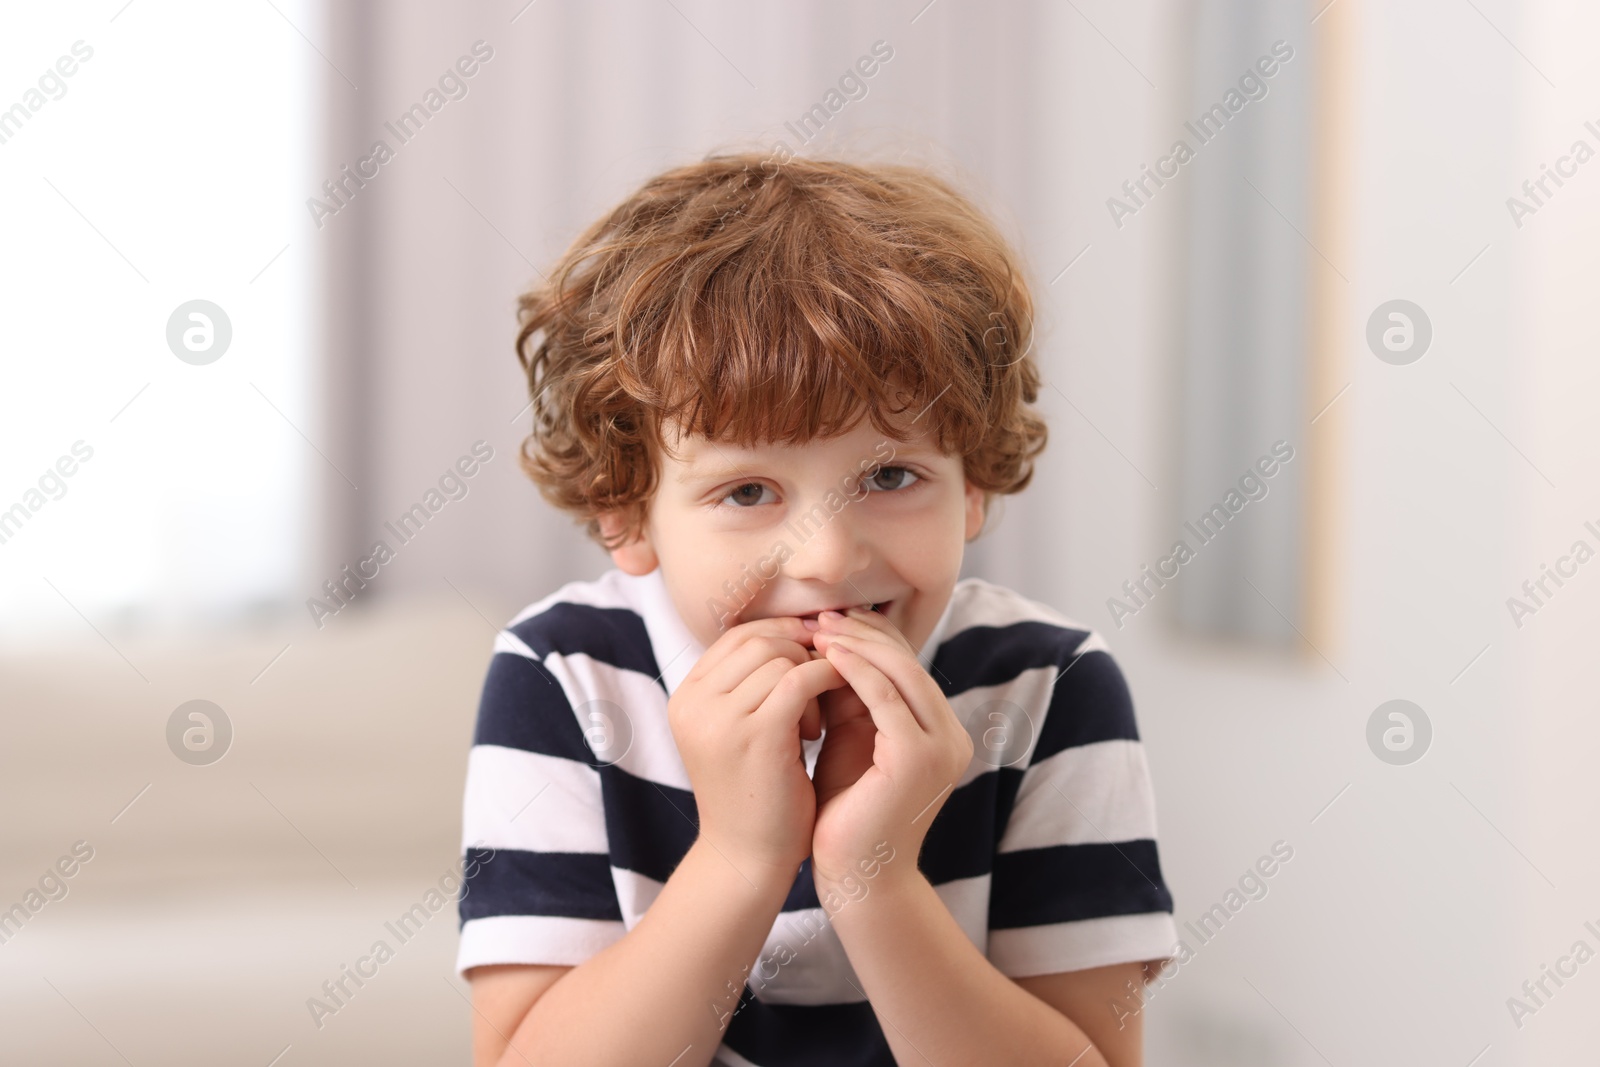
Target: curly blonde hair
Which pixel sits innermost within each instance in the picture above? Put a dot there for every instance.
(751, 302)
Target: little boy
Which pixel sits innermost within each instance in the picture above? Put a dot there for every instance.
(779, 789)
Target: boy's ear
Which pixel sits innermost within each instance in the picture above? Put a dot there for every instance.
(975, 510)
(636, 557)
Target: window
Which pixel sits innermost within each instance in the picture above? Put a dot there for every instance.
(172, 164)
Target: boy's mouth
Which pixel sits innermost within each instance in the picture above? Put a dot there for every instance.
(882, 608)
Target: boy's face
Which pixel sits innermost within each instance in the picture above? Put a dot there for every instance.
(840, 522)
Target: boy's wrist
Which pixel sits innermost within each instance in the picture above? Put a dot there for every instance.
(886, 870)
(867, 908)
(740, 874)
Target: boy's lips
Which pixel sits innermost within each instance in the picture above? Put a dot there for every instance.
(881, 607)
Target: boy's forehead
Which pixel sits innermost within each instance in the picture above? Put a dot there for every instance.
(695, 456)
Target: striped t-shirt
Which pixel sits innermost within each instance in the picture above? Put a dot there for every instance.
(577, 812)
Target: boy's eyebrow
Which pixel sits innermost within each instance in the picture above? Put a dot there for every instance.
(691, 475)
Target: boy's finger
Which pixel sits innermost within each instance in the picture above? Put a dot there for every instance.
(738, 665)
(879, 622)
(794, 693)
(860, 635)
(811, 720)
(890, 711)
(905, 672)
(866, 625)
(895, 659)
(732, 639)
(755, 689)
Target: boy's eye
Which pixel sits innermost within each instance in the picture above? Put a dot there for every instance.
(748, 495)
(891, 478)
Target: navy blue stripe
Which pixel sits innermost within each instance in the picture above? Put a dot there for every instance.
(507, 881)
(961, 840)
(803, 894)
(993, 655)
(1005, 797)
(1064, 883)
(611, 635)
(800, 1035)
(650, 825)
(522, 707)
(1090, 703)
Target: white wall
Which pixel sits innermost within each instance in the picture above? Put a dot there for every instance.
(1551, 703)
(1419, 901)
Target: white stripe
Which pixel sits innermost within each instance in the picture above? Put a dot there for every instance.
(1075, 946)
(803, 962)
(506, 641)
(676, 649)
(533, 939)
(998, 738)
(537, 803)
(981, 603)
(968, 901)
(1089, 793)
(605, 698)
(607, 591)
(635, 893)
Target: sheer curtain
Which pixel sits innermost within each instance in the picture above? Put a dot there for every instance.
(569, 108)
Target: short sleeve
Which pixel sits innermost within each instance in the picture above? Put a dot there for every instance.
(537, 883)
(1076, 881)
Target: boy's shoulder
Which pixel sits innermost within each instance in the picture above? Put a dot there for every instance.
(999, 645)
(983, 613)
(609, 592)
(563, 669)
(601, 618)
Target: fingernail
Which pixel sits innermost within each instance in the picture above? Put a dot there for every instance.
(831, 616)
(810, 624)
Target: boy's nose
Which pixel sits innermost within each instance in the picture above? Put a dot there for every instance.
(829, 549)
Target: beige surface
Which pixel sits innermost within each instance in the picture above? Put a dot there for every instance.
(207, 918)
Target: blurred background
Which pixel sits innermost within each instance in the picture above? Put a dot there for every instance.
(1375, 252)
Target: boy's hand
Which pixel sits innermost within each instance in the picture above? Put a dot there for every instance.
(737, 719)
(884, 775)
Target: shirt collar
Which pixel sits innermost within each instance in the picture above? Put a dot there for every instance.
(676, 650)
(931, 645)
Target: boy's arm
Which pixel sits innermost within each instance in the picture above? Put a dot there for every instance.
(502, 993)
(940, 1000)
(937, 996)
(675, 978)
(1094, 996)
